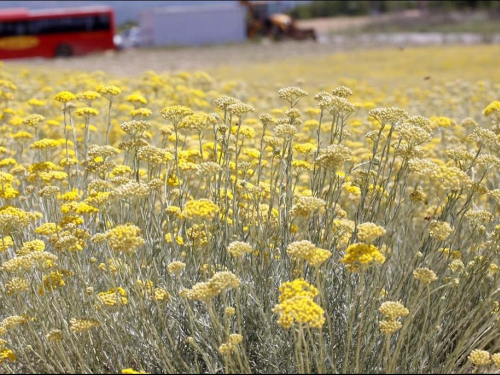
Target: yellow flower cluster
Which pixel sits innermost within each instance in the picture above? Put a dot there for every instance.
(232, 344)
(5, 243)
(237, 249)
(220, 282)
(113, 297)
(202, 209)
(33, 120)
(391, 312)
(295, 288)
(7, 355)
(132, 371)
(55, 335)
(87, 96)
(493, 110)
(78, 325)
(360, 255)
(425, 275)
(175, 268)
(297, 306)
(12, 322)
(306, 250)
(125, 238)
(479, 357)
(108, 90)
(440, 230)
(16, 286)
(54, 280)
(368, 232)
(307, 206)
(86, 112)
(65, 97)
(41, 259)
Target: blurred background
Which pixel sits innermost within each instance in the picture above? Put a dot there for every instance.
(173, 35)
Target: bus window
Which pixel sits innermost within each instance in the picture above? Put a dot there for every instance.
(12, 28)
(20, 29)
(56, 26)
(102, 22)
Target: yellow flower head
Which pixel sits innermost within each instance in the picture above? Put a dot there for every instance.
(125, 238)
(479, 357)
(86, 112)
(362, 255)
(65, 97)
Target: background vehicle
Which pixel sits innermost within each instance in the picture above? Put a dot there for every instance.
(131, 37)
(265, 19)
(56, 32)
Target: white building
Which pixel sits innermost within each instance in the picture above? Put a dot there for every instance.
(193, 25)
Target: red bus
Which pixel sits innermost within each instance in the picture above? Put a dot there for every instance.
(57, 32)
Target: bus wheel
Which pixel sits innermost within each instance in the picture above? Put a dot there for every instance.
(64, 50)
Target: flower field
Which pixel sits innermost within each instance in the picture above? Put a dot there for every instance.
(187, 223)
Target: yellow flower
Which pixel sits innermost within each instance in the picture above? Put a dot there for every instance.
(360, 255)
(440, 230)
(479, 357)
(15, 286)
(442, 121)
(12, 322)
(300, 310)
(197, 122)
(79, 208)
(368, 232)
(136, 98)
(175, 113)
(31, 246)
(388, 327)
(21, 136)
(77, 325)
(88, 96)
(86, 112)
(304, 148)
(393, 310)
(36, 102)
(295, 288)
(54, 280)
(238, 249)
(7, 354)
(44, 144)
(5, 243)
(493, 110)
(424, 275)
(47, 229)
(113, 297)
(205, 291)
(65, 96)
(200, 209)
(175, 268)
(496, 359)
(125, 238)
(140, 112)
(108, 91)
(178, 239)
(132, 371)
(33, 120)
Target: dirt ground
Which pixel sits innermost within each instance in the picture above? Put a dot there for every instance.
(135, 61)
(331, 24)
